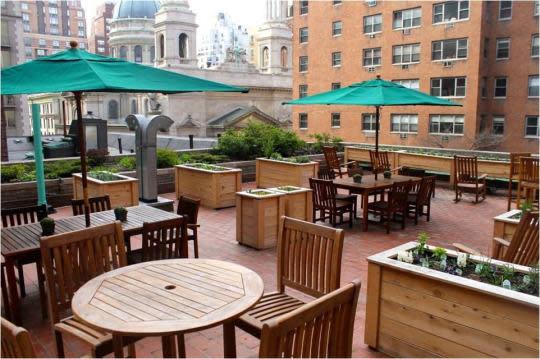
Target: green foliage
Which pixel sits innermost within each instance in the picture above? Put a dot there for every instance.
(507, 272)
(127, 163)
(61, 169)
(422, 239)
(47, 221)
(104, 176)
(203, 157)
(96, 157)
(208, 167)
(120, 210)
(325, 139)
(10, 173)
(167, 158)
(439, 253)
(526, 206)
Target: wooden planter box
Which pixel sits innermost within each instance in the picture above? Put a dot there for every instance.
(257, 218)
(215, 189)
(272, 173)
(420, 312)
(298, 202)
(504, 226)
(123, 192)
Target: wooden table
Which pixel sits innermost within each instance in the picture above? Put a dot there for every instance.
(168, 297)
(368, 186)
(23, 241)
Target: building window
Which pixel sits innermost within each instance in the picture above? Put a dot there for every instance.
(448, 87)
(372, 24)
(24, 6)
(368, 122)
(449, 49)
(123, 52)
(80, 13)
(42, 42)
(284, 57)
(483, 90)
(26, 17)
(101, 42)
(486, 47)
(531, 126)
(27, 41)
(161, 46)
(54, 29)
(336, 59)
(101, 49)
(113, 109)
(304, 7)
(335, 120)
(138, 53)
(337, 2)
(505, 10)
(336, 28)
(304, 35)
(536, 8)
(534, 86)
(302, 90)
(56, 44)
(152, 53)
(446, 124)
(26, 27)
(404, 123)
(183, 46)
(406, 19)
(406, 54)
(303, 63)
(53, 11)
(372, 57)
(336, 85)
(503, 49)
(450, 11)
(53, 20)
(265, 57)
(80, 33)
(411, 84)
(498, 125)
(535, 46)
(500, 87)
(302, 121)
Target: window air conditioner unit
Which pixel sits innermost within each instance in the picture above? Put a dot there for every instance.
(406, 31)
(403, 136)
(371, 2)
(371, 36)
(445, 138)
(450, 24)
(447, 64)
(404, 67)
(371, 69)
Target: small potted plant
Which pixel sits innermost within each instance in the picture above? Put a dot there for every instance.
(47, 226)
(120, 213)
(357, 178)
(387, 174)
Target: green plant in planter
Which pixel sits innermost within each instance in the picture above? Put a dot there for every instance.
(301, 159)
(422, 239)
(120, 213)
(439, 253)
(526, 206)
(357, 178)
(47, 226)
(387, 174)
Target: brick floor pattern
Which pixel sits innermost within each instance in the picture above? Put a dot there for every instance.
(463, 222)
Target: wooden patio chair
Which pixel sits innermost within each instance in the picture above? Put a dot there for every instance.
(380, 162)
(308, 260)
(422, 198)
(70, 260)
(16, 342)
(320, 329)
(189, 208)
(97, 204)
(5, 294)
(514, 173)
(528, 180)
(395, 204)
(466, 178)
(161, 240)
(523, 247)
(326, 173)
(333, 162)
(325, 201)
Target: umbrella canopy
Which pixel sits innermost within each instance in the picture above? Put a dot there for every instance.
(78, 71)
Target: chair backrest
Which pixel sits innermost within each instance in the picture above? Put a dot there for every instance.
(514, 162)
(189, 208)
(16, 342)
(73, 258)
(379, 161)
(308, 257)
(465, 169)
(425, 190)
(164, 239)
(397, 197)
(97, 204)
(354, 169)
(23, 215)
(322, 328)
(332, 160)
(523, 248)
(324, 193)
(528, 169)
(326, 173)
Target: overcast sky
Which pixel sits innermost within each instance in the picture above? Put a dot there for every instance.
(243, 12)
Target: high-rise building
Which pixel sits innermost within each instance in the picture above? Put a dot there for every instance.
(50, 25)
(99, 31)
(483, 55)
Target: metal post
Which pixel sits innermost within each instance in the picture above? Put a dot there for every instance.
(64, 117)
(82, 152)
(38, 155)
(190, 142)
(377, 114)
(120, 145)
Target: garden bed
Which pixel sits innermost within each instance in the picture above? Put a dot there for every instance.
(298, 202)
(416, 311)
(214, 185)
(504, 225)
(122, 190)
(275, 173)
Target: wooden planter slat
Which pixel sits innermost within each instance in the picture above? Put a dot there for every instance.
(504, 226)
(298, 203)
(413, 311)
(124, 193)
(257, 219)
(272, 173)
(215, 189)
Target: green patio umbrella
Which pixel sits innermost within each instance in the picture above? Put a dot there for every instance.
(78, 71)
(376, 92)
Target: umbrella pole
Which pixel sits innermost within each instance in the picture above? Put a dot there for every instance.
(377, 114)
(38, 155)
(82, 152)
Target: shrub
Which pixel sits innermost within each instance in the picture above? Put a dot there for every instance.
(60, 169)
(325, 139)
(11, 173)
(127, 163)
(96, 157)
(205, 157)
(167, 158)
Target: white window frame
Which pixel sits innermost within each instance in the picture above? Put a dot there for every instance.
(440, 79)
(80, 14)
(53, 10)
(442, 118)
(501, 9)
(372, 57)
(300, 35)
(459, 11)
(335, 56)
(300, 116)
(531, 77)
(24, 6)
(408, 82)
(495, 87)
(444, 43)
(300, 58)
(335, 28)
(498, 120)
(332, 119)
(303, 7)
(527, 126)
(372, 24)
(537, 38)
(403, 47)
(372, 122)
(404, 116)
(302, 90)
(407, 14)
(536, 10)
(497, 47)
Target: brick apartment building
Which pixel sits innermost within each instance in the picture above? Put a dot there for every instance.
(99, 32)
(483, 55)
(49, 26)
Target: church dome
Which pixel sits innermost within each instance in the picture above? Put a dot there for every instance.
(136, 9)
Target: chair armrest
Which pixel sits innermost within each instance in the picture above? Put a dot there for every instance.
(396, 169)
(463, 248)
(192, 225)
(346, 164)
(501, 241)
(482, 177)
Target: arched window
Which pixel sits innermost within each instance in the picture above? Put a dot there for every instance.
(113, 109)
(138, 53)
(182, 46)
(152, 53)
(123, 52)
(265, 55)
(161, 46)
(133, 106)
(284, 57)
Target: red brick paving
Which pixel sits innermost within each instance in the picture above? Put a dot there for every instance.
(463, 222)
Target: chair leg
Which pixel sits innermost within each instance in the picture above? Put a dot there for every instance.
(388, 216)
(351, 216)
(41, 285)
(132, 353)
(20, 272)
(196, 246)
(59, 344)
(416, 215)
(5, 297)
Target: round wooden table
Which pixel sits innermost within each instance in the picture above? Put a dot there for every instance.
(166, 297)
